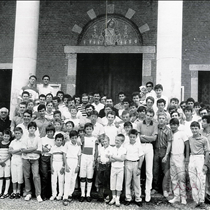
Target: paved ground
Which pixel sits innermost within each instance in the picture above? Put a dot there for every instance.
(158, 203)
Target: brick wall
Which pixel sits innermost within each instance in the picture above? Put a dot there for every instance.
(196, 38)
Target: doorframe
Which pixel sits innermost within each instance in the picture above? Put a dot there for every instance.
(72, 51)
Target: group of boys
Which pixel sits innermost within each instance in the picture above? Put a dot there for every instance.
(94, 143)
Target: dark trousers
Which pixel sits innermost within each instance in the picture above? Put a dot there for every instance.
(45, 174)
(161, 171)
(104, 179)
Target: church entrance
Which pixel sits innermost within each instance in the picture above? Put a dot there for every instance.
(109, 73)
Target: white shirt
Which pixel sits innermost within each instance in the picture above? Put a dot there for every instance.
(25, 131)
(111, 131)
(104, 154)
(72, 151)
(45, 90)
(98, 107)
(57, 153)
(98, 130)
(48, 143)
(16, 145)
(118, 152)
(133, 151)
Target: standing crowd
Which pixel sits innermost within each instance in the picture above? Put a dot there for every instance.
(61, 143)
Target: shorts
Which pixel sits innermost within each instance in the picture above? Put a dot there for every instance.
(17, 171)
(86, 166)
(5, 171)
(116, 178)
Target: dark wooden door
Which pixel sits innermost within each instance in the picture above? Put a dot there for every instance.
(109, 73)
(5, 87)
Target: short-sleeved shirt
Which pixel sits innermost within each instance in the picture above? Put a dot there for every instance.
(111, 131)
(89, 145)
(48, 143)
(104, 154)
(118, 152)
(45, 90)
(133, 151)
(198, 145)
(98, 130)
(164, 136)
(16, 145)
(4, 150)
(57, 153)
(147, 130)
(31, 141)
(32, 91)
(25, 131)
(179, 138)
(72, 151)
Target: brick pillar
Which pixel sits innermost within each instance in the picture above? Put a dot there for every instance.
(25, 47)
(169, 47)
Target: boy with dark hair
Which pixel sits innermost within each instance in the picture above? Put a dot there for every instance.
(199, 155)
(158, 90)
(31, 150)
(121, 96)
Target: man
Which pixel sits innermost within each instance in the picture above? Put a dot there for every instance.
(191, 103)
(82, 106)
(161, 158)
(97, 104)
(189, 119)
(45, 88)
(41, 121)
(148, 134)
(121, 96)
(4, 120)
(86, 119)
(159, 90)
(150, 91)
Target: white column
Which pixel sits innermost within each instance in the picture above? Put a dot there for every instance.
(25, 47)
(169, 47)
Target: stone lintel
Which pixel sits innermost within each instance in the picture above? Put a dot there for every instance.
(109, 49)
(5, 65)
(91, 13)
(77, 29)
(130, 13)
(148, 56)
(199, 67)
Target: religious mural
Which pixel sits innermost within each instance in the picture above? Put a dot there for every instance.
(110, 31)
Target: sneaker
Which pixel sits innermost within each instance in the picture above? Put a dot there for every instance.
(28, 197)
(165, 194)
(39, 199)
(183, 201)
(147, 197)
(153, 191)
(58, 198)
(65, 202)
(112, 201)
(117, 202)
(174, 200)
(202, 205)
(52, 198)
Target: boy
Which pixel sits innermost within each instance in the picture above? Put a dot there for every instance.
(31, 150)
(177, 162)
(104, 168)
(5, 163)
(88, 159)
(199, 156)
(117, 158)
(72, 164)
(133, 162)
(16, 162)
(57, 167)
(47, 143)
(159, 90)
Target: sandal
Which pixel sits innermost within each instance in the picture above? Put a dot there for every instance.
(12, 196)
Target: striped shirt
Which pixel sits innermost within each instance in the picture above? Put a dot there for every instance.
(4, 150)
(165, 135)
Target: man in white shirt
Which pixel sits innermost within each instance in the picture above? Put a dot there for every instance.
(45, 88)
(98, 106)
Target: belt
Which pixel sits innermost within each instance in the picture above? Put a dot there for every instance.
(132, 160)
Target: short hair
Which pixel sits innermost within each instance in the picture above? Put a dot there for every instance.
(46, 76)
(174, 112)
(59, 135)
(126, 124)
(161, 100)
(170, 108)
(125, 112)
(136, 94)
(207, 118)
(174, 99)
(158, 86)
(58, 121)
(133, 131)
(56, 98)
(73, 133)
(94, 112)
(202, 108)
(49, 94)
(23, 103)
(28, 111)
(76, 96)
(18, 129)
(150, 111)
(108, 105)
(182, 102)
(190, 100)
(150, 98)
(195, 124)
(88, 125)
(122, 136)
(141, 109)
(7, 132)
(120, 93)
(149, 83)
(133, 104)
(50, 128)
(59, 92)
(84, 95)
(96, 92)
(73, 107)
(25, 92)
(67, 96)
(42, 96)
(33, 76)
(126, 100)
(30, 101)
(69, 122)
(89, 105)
(188, 108)
(49, 102)
(174, 121)
(161, 114)
(111, 112)
(56, 112)
(41, 106)
(32, 124)
(196, 104)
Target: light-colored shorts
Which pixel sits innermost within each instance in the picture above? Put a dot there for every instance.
(17, 170)
(5, 171)
(116, 178)
(86, 166)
